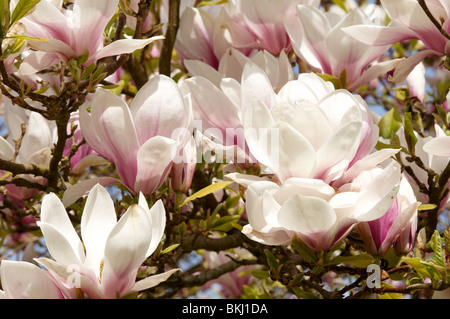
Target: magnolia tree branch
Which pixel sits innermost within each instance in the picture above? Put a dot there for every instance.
(170, 37)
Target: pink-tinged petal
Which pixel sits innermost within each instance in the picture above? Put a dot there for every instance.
(153, 163)
(195, 36)
(339, 150)
(47, 21)
(199, 68)
(438, 146)
(153, 281)
(158, 219)
(61, 238)
(378, 35)
(69, 277)
(81, 188)
(89, 19)
(378, 195)
(64, 51)
(37, 61)
(125, 251)
(255, 85)
(305, 186)
(306, 215)
(220, 115)
(115, 129)
(244, 179)
(278, 237)
(159, 109)
(254, 195)
(308, 34)
(37, 136)
(308, 87)
(410, 14)
(98, 219)
(23, 280)
(407, 66)
(87, 161)
(366, 163)
(122, 46)
(232, 63)
(373, 72)
(304, 117)
(6, 149)
(416, 82)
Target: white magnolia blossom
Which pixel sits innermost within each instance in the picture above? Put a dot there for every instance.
(104, 264)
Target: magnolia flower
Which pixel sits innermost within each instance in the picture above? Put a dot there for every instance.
(319, 40)
(397, 227)
(36, 142)
(141, 139)
(315, 212)
(282, 133)
(251, 24)
(70, 33)
(24, 280)
(105, 263)
(183, 170)
(409, 21)
(231, 65)
(196, 38)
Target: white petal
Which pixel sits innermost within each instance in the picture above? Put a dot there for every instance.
(97, 221)
(157, 216)
(61, 238)
(153, 281)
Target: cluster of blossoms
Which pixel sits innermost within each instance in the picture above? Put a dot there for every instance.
(259, 140)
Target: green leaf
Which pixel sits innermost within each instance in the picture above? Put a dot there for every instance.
(410, 136)
(302, 249)
(182, 228)
(331, 78)
(426, 207)
(4, 16)
(271, 260)
(22, 8)
(224, 223)
(390, 295)
(435, 244)
(169, 249)
(359, 261)
(390, 123)
(423, 268)
(257, 273)
(206, 191)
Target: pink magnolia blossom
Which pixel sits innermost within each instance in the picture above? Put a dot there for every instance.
(409, 21)
(231, 65)
(251, 24)
(24, 280)
(289, 121)
(70, 33)
(315, 212)
(317, 38)
(182, 171)
(141, 139)
(397, 227)
(105, 263)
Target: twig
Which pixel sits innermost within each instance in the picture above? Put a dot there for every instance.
(171, 34)
(433, 19)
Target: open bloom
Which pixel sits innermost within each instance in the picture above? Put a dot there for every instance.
(24, 280)
(409, 21)
(397, 227)
(252, 24)
(317, 37)
(315, 212)
(308, 129)
(141, 139)
(70, 33)
(105, 263)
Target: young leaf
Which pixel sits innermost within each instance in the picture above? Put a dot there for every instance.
(206, 191)
(22, 8)
(304, 250)
(390, 123)
(169, 249)
(359, 261)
